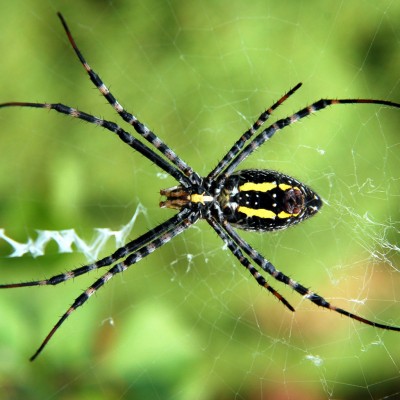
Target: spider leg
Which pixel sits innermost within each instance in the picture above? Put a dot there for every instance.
(132, 259)
(123, 251)
(235, 149)
(113, 127)
(139, 127)
(235, 250)
(266, 134)
(279, 276)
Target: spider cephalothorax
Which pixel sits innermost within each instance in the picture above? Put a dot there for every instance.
(257, 200)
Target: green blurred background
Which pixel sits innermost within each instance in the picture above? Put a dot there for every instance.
(188, 322)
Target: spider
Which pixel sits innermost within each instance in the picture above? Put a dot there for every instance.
(250, 199)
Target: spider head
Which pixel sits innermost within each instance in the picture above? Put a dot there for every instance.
(179, 197)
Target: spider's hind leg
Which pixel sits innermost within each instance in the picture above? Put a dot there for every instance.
(307, 293)
(235, 250)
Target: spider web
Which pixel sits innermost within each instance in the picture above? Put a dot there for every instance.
(188, 322)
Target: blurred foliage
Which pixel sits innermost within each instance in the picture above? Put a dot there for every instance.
(188, 322)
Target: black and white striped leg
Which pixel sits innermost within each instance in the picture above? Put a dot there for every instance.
(132, 259)
(139, 127)
(281, 277)
(238, 145)
(113, 127)
(235, 250)
(123, 251)
(266, 134)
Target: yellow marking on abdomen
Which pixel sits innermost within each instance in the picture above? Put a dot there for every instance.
(257, 212)
(257, 187)
(285, 186)
(264, 213)
(284, 215)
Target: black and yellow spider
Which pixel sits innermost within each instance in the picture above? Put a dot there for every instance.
(253, 200)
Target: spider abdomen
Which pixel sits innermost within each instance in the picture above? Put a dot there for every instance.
(266, 200)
